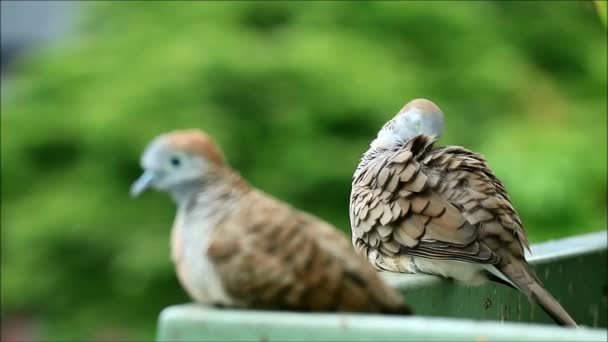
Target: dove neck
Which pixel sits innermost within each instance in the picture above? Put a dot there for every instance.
(214, 187)
(387, 139)
(408, 125)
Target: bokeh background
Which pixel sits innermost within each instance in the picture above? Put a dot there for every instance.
(293, 92)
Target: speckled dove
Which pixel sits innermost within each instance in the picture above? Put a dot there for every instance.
(235, 246)
(419, 208)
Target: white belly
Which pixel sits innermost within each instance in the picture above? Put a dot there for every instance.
(196, 273)
(465, 272)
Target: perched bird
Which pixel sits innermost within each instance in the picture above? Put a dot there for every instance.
(420, 208)
(235, 246)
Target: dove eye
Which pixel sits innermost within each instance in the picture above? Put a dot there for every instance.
(175, 161)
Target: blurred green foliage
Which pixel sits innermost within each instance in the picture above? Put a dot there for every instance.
(602, 10)
(293, 93)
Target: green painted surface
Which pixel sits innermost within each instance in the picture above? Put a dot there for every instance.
(196, 323)
(573, 269)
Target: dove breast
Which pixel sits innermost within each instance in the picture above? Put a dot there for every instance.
(191, 236)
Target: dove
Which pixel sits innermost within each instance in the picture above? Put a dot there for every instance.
(420, 208)
(236, 246)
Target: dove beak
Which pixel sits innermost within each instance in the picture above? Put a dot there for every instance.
(142, 183)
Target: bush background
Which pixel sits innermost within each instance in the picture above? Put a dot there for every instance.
(293, 93)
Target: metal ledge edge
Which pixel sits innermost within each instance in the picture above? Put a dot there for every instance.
(190, 321)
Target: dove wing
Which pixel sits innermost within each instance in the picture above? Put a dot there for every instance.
(273, 256)
(440, 203)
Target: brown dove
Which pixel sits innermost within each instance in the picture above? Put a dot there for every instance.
(235, 246)
(420, 208)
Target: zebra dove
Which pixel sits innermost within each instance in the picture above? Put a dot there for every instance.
(235, 246)
(419, 208)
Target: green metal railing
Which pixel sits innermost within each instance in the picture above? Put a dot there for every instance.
(573, 269)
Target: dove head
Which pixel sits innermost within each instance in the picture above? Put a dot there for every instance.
(419, 116)
(176, 161)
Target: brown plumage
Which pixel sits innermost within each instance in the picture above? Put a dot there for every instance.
(419, 208)
(234, 245)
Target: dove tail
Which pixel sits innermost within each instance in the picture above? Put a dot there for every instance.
(524, 279)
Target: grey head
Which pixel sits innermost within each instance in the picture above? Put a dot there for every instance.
(419, 116)
(176, 161)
